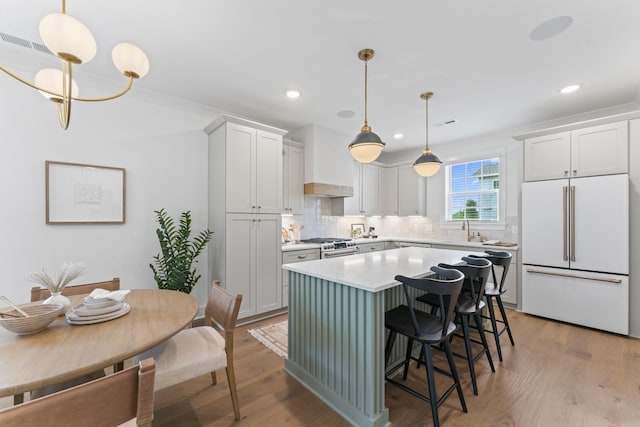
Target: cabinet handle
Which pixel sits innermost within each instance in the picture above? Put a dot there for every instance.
(575, 171)
(574, 276)
(253, 207)
(302, 256)
(566, 173)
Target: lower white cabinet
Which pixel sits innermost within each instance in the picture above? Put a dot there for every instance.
(289, 257)
(371, 247)
(252, 261)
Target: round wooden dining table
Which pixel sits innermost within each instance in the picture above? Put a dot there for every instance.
(64, 351)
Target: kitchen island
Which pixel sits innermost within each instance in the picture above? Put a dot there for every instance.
(336, 325)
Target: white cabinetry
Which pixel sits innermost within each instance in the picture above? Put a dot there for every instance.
(253, 261)
(245, 203)
(596, 150)
(389, 190)
(293, 197)
(402, 191)
(371, 247)
(365, 200)
(254, 174)
(290, 257)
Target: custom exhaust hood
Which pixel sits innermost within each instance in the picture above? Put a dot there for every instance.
(328, 166)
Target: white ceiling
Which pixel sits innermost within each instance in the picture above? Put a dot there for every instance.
(238, 56)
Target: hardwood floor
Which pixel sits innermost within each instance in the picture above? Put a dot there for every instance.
(556, 375)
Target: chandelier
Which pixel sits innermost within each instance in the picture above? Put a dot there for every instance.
(72, 42)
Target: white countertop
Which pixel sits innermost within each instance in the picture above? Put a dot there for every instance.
(375, 271)
(478, 245)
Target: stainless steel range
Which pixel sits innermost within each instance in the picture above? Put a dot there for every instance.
(334, 247)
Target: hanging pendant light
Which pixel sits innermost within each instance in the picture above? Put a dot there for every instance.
(367, 146)
(427, 164)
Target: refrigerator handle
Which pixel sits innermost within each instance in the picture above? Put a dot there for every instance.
(564, 223)
(572, 224)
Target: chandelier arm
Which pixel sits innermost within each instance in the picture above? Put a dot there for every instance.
(36, 87)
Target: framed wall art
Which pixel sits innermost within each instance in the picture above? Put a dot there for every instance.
(84, 194)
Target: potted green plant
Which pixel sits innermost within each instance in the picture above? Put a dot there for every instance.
(173, 267)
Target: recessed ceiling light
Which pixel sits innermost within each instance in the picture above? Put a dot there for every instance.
(346, 114)
(550, 28)
(570, 88)
(292, 93)
(398, 135)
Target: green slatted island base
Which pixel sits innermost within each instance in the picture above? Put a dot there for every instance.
(336, 325)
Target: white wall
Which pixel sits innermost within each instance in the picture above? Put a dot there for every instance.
(163, 150)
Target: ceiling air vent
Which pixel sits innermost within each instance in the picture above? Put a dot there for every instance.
(25, 43)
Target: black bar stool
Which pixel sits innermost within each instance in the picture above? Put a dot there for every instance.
(493, 291)
(428, 329)
(470, 303)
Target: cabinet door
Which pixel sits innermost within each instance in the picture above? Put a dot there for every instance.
(545, 222)
(601, 218)
(241, 166)
(600, 150)
(268, 172)
(371, 247)
(370, 190)
(293, 180)
(268, 249)
(547, 157)
(389, 191)
(412, 194)
(240, 260)
(353, 205)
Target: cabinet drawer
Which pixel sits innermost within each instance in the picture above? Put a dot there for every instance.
(298, 256)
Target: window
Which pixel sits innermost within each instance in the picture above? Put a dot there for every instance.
(473, 190)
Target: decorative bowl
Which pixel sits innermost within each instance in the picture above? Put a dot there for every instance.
(40, 316)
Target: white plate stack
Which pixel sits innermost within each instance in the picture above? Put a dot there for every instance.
(96, 310)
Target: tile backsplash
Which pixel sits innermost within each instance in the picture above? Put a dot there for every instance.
(318, 221)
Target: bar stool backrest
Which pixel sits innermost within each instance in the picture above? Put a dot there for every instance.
(476, 274)
(446, 284)
(502, 259)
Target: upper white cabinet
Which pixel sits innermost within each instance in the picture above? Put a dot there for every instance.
(254, 170)
(596, 150)
(389, 191)
(365, 200)
(402, 191)
(293, 186)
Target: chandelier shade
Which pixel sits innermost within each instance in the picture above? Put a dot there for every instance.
(52, 80)
(428, 164)
(72, 42)
(67, 38)
(366, 146)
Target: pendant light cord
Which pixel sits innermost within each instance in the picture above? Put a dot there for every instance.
(365, 92)
(426, 127)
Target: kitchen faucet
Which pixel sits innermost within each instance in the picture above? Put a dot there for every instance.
(468, 228)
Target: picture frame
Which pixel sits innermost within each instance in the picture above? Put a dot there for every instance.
(357, 230)
(79, 193)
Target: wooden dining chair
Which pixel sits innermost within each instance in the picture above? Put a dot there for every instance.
(105, 402)
(197, 351)
(39, 294)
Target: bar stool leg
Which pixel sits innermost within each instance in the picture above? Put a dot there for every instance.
(454, 373)
(431, 383)
(467, 345)
(504, 319)
(494, 325)
(483, 338)
(407, 358)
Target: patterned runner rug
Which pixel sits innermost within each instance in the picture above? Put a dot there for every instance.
(274, 336)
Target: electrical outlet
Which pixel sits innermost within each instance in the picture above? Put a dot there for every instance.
(514, 229)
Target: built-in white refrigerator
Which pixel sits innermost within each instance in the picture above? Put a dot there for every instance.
(575, 251)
